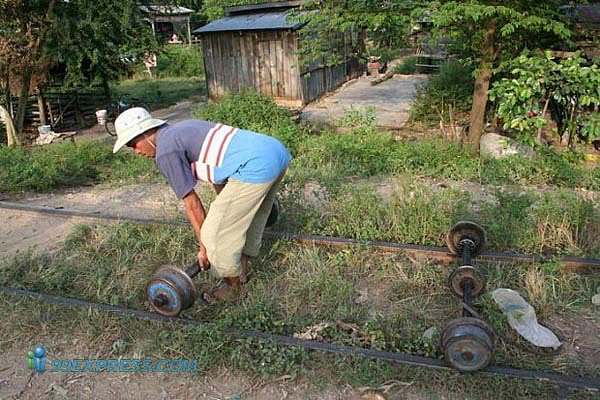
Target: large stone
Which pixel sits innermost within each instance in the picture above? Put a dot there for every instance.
(498, 146)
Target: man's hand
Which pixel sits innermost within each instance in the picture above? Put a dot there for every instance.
(203, 258)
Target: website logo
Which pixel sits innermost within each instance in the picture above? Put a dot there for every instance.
(36, 359)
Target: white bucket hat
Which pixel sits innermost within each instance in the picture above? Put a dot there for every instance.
(133, 122)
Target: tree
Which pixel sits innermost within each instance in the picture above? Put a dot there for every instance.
(215, 9)
(24, 27)
(492, 31)
(383, 24)
(87, 39)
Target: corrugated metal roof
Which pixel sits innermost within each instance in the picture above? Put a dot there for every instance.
(166, 10)
(252, 22)
(262, 7)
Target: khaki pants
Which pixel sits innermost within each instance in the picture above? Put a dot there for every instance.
(235, 224)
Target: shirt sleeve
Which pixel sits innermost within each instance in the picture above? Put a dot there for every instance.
(177, 170)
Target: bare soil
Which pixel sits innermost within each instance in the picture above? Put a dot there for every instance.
(18, 382)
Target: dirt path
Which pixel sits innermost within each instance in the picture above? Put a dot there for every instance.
(178, 112)
(22, 231)
(391, 101)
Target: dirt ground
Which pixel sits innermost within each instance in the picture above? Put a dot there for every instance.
(18, 382)
(22, 231)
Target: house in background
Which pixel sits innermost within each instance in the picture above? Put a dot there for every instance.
(256, 47)
(167, 21)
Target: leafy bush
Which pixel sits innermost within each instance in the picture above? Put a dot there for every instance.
(255, 112)
(536, 84)
(66, 164)
(180, 62)
(452, 86)
(408, 66)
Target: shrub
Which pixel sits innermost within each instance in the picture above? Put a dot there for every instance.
(535, 83)
(408, 66)
(180, 62)
(253, 111)
(452, 86)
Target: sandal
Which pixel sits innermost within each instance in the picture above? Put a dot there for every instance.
(222, 292)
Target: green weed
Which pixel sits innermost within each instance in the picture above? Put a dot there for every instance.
(407, 67)
(451, 87)
(45, 168)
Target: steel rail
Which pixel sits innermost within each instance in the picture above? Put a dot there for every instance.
(577, 264)
(563, 381)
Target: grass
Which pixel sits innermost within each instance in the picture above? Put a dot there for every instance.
(383, 301)
(328, 157)
(554, 222)
(163, 92)
(332, 157)
(407, 67)
(380, 299)
(450, 89)
(44, 169)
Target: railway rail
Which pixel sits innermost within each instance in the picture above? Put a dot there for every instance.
(564, 383)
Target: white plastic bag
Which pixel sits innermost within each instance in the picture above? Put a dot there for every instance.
(521, 317)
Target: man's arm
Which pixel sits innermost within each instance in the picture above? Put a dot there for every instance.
(196, 215)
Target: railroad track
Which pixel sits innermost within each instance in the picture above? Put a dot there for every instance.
(576, 264)
(564, 383)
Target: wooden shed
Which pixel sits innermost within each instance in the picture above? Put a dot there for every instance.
(169, 20)
(256, 47)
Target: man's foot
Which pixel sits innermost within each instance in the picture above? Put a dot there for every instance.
(229, 290)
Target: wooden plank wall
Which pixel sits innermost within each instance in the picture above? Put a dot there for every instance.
(262, 60)
(318, 80)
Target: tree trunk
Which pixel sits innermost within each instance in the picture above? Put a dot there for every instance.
(7, 93)
(482, 84)
(11, 136)
(42, 108)
(22, 103)
(480, 96)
